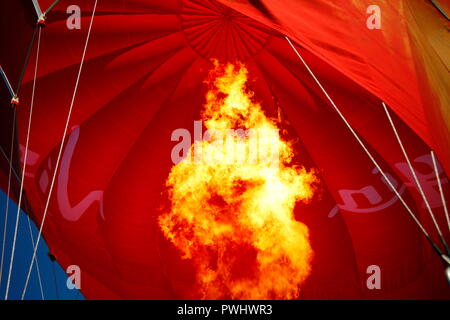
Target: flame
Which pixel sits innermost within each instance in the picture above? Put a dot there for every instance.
(232, 215)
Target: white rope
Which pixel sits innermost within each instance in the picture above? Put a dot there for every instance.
(361, 143)
(37, 261)
(29, 227)
(60, 150)
(8, 193)
(444, 204)
(6, 218)
(37, 8)
(7, 83)
(51, 6)
(13, 133)
(416, 180)
(22, 178)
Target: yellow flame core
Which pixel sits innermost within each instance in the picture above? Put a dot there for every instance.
(233, 218)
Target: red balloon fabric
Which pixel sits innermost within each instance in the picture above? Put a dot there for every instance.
(144, 77)
(404, 61)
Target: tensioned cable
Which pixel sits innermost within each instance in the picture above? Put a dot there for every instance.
(8, 192)
(60, 148)
(13, 134)
(51, 7)
(16, 175)
(7, 83)
(439, 8)
(39, 14)
(37, 8)
(27, 58)
(416, 180)
(22, 178)
(10, 170)
(361, 143)
(2, 151)
(37, 262)
(444, 204)
(14, 95)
